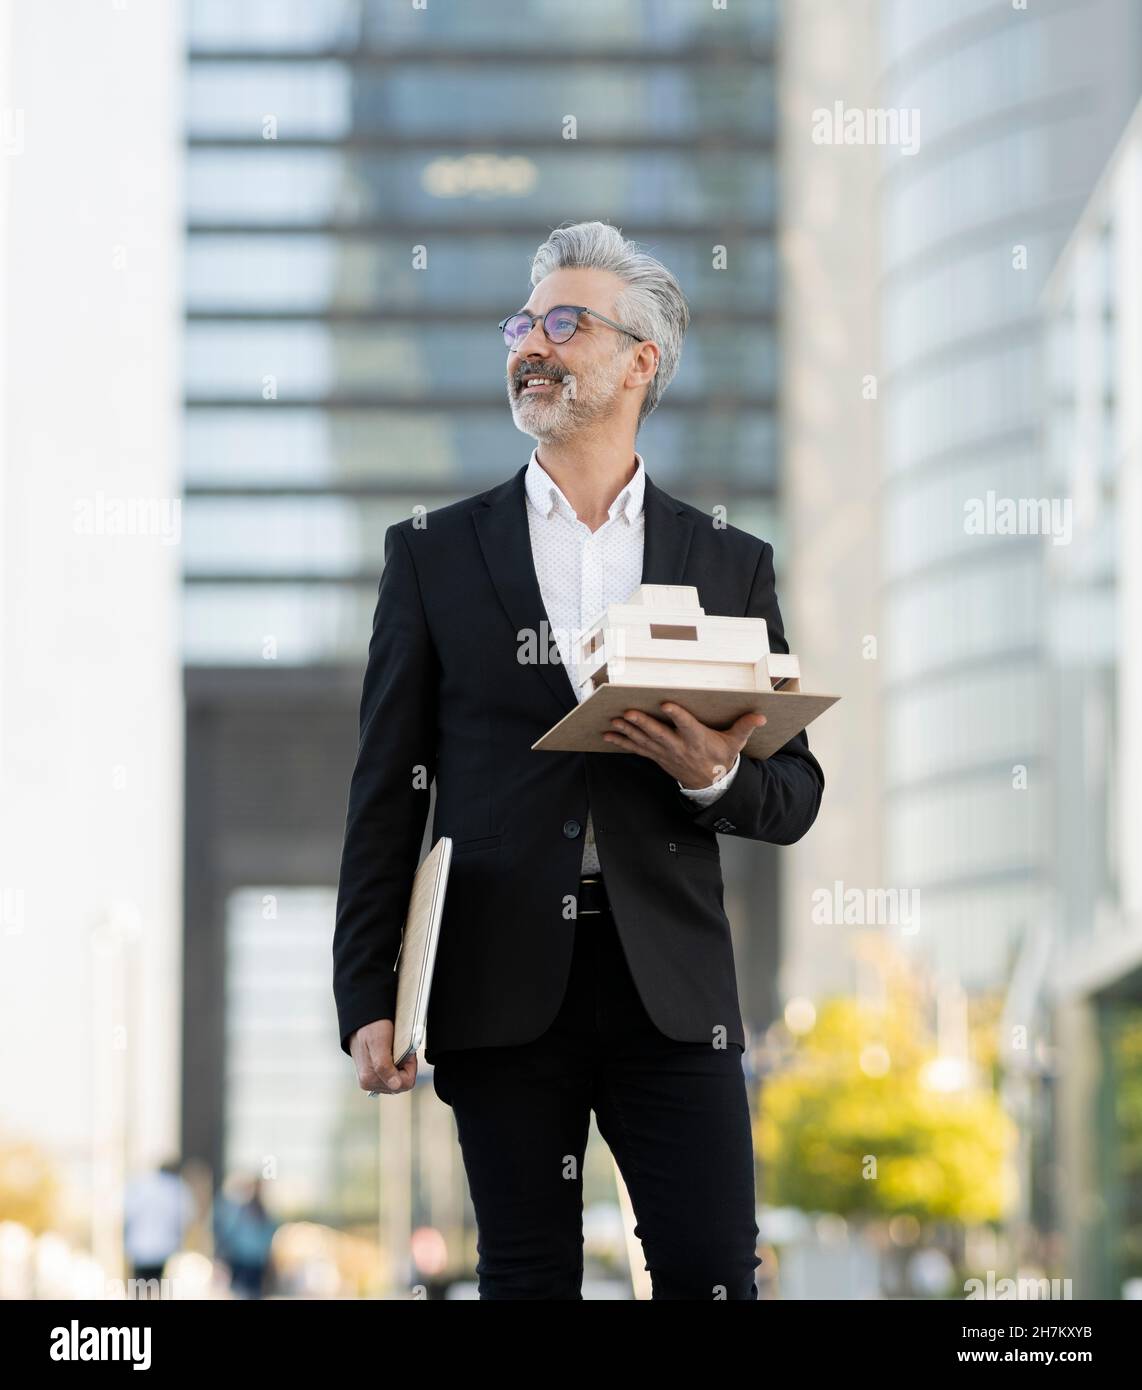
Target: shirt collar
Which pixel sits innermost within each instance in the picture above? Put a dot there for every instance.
(546, 494)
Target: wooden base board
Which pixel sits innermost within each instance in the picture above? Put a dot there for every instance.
(787, 713)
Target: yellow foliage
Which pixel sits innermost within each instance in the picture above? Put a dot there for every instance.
(28, 1187)
(833, 1138)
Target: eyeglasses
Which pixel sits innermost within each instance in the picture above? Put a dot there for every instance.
(559, 324)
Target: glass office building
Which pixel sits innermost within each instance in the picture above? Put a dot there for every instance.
(1018, 110)
(366, 184)
(1092, 374)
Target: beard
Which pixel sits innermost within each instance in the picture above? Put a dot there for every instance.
(572, 404)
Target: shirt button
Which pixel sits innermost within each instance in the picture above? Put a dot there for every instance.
(571, 828)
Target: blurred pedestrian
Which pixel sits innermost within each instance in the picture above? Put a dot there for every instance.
(243, 1239)
(158, 1208)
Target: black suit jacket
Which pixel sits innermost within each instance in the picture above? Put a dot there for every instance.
(445, 697)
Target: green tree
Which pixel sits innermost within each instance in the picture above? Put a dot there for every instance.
(861, 1123)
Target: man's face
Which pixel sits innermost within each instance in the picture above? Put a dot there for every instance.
(581, 378)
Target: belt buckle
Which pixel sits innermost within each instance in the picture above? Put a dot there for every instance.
(589, 911)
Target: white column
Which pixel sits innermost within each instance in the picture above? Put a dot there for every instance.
(90, 681)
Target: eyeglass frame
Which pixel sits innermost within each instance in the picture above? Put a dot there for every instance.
(579, 309)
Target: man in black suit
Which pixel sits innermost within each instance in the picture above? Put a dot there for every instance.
(585, 960)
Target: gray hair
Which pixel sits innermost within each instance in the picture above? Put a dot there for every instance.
(652, 304)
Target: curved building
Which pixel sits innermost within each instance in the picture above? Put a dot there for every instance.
(1017, 110)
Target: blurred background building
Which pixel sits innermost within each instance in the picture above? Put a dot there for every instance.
(252, 255)
(830, 473)
(1092, 434)
(366, 184)
(90, 539)
(912, 279)
(1020, 108)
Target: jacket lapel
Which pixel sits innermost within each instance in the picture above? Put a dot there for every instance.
(666, 539)
(504, 537)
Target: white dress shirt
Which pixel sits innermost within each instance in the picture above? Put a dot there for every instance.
(580, 571)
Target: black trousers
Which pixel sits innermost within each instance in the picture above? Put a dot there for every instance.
(674, 1114)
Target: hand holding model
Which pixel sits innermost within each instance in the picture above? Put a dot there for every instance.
(690, 751)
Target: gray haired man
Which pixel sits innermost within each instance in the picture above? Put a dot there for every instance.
(585, 963)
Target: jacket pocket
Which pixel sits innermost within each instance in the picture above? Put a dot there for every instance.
(677, 847)
(483, 842)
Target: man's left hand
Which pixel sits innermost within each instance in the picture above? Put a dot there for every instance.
(690, 751)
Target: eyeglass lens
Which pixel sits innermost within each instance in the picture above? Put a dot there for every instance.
(558, 323)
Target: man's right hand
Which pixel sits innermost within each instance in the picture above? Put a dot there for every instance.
(371, 1048)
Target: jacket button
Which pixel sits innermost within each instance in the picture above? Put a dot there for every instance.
(571, 828)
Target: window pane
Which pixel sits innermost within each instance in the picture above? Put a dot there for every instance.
(471, 449)
(311, 272)
(314, 360)
(304, 187)
(331, 100)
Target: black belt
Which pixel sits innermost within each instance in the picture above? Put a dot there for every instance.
(592, 896)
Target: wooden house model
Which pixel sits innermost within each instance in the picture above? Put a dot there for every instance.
(661, 636)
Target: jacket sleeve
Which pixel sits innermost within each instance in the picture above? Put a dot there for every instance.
(389, 796)
(775, 799)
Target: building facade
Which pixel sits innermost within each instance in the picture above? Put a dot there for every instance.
(1018, 109)
(1092, 361)
(366, 185)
